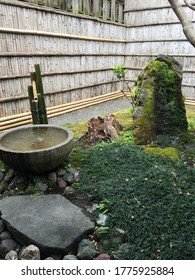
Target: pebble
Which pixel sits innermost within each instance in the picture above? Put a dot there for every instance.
(103, 257)
(11, 255)
(61, 183)
(30, 253)
(70, 257)
(101, 221)
(69, 191)
(6, 246)
(2, 226)
(5, 235)
(86, 250)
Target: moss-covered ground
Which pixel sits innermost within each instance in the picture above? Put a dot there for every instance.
(149, 195)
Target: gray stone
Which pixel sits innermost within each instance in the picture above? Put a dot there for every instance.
(18, 183)
(12, 255)
(52, 178)
(2, 175)
(50, 222)
(6, 246)
(101, 221)
(9, 175)
(70, 257)
(30, 253)
(123, 249)
(5, 235)
(75, 173)
(118, 236)
(41, 187)
(69, 191)
(61, 172)
(69, 177)
(2, 226)
(49, 259)
(86, 250)
(3, 186)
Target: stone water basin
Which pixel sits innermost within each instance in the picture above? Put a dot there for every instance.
(35, 148)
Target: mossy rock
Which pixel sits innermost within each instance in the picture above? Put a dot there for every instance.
(169, 152)
(161, 108)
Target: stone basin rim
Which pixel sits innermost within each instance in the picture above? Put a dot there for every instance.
(65, 129)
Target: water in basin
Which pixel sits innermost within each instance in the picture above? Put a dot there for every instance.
(33, 138)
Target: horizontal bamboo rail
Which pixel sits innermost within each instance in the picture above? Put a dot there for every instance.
(25, 118)
(54, 111)
(59, 35)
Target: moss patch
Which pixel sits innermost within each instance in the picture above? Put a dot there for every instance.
(169, 152)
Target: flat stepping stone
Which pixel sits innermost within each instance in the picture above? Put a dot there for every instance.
(51, 222)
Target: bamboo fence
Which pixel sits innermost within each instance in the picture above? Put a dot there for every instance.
(76, 47)
(76, 54)
(105, 9)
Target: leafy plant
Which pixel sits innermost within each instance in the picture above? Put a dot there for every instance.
(120, 72)
(103, 205)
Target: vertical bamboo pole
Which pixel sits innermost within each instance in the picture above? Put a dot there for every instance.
(40, 95)
(86, 7)
(33, 106)
(113, 10)
(106, 5)
(75, 6)
(120, 12)
(97, 8)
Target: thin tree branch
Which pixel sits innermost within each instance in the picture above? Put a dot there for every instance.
(190, 5)
(187, 25)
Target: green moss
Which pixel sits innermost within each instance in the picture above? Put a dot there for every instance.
(169, 152)
(163, 110)
(79, 128)
(145, 124)
(124, 118)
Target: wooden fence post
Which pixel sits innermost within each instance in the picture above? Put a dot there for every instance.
(86, 7)
(120, 12)
(106, 9)
(97, 8)
(113, 10)
(75, 6)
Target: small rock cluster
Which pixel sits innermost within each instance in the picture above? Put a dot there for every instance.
(61, 181)
(13, 183)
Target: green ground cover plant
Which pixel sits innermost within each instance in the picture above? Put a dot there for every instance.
(150, 196)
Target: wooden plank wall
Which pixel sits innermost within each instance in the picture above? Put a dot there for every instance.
(75, 52)
(154, 29)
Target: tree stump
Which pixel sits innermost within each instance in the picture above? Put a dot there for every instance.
(100, 129)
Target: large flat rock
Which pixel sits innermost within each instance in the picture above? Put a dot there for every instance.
(50, 222)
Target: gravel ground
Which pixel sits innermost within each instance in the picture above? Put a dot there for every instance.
(92, 111)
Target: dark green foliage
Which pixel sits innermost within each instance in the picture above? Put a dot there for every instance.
(150, 197)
